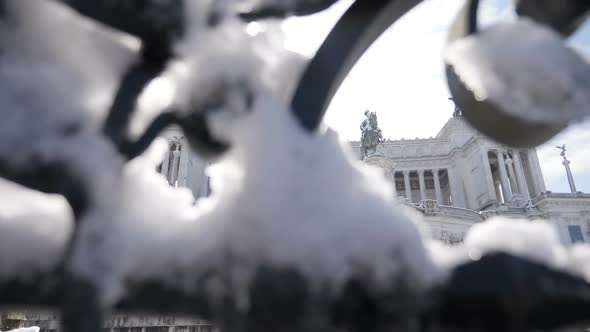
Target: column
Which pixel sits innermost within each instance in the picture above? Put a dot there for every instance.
(498, 192)
(503, 176)
(489, 180)
(570, 176)
(204, 188)
(536, 171)
(183, 163)
(173, 166)
(165, 164)
(512, 176)
(422, 184)
(456, 189)
(391, 176)
(407, 185)
(437, 191)
(520, 178)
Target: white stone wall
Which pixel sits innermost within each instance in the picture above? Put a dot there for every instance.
(565, 209)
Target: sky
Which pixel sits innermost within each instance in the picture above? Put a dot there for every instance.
(401, 78)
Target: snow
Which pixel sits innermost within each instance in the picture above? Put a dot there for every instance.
(579, 260)
(26, 329)
(134, 218)
(39, 226)
(526, 69)
(281, 193)
(278, 200)
(54, 98)
(281, 197)
(536, 240)
(233, 62)
(50, 88)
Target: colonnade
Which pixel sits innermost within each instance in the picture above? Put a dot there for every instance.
(511, 174)
(422, 183)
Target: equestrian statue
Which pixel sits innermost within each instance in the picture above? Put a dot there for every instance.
(371, 134)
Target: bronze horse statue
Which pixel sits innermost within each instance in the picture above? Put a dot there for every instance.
(371, 137)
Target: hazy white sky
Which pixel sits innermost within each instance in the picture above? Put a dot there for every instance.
(401, 78)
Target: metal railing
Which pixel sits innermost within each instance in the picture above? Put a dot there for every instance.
(498, 292)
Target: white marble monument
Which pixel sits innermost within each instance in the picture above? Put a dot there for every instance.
(457, 178)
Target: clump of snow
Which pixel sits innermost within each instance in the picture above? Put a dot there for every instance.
(281, 197)
(286, 196)
(53, 98)
(234, 64)
(536, 240)
(35, 230)
(234, 59)
(132, 226)
(58, 74)
(26, 329)
(445, 256)
(579, 260)
(526, 69)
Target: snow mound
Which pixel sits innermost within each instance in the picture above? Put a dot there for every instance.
(536, 240)
(280, 198)
(526, 69)
(26, 329)
(38, 225)
(286, 197)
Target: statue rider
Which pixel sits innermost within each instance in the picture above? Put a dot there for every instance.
(366, 124)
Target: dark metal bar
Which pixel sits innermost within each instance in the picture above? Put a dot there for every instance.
(135, 80)
(486, 115)
(564, 16)
(81, 310)
(472, 16)
(201, 139)
(300, 8)
(133, 149)
(499, 292)
(358, 28)
(475, 288)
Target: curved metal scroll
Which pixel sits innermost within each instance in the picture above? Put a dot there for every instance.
(486, 115)
(358, 28)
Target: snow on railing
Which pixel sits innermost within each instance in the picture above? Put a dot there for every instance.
(295, 235)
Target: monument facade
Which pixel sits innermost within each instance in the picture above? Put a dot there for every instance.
(460, 177)
(457, 178)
